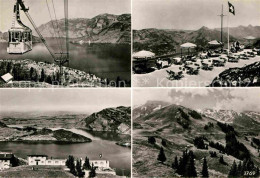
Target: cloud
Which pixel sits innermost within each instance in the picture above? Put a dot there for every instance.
(237, 99)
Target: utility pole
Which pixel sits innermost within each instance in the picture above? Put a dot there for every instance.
(64, 56)
(222, 16)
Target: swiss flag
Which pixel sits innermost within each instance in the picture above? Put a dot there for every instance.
(231, 8)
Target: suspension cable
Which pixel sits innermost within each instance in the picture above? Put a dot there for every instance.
(58, 29)
(52, 24)
(66, 26)
(40, 35)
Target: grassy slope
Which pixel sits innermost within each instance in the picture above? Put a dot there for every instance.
(162, 124)
(43, 171)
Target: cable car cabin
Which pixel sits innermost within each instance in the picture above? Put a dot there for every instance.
(20, 36)
(20, 41)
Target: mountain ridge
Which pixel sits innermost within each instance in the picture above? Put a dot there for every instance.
(115, 119)
(163, 41)
(103, 28)
(176, 128)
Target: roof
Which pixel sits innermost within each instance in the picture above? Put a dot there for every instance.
(188, 45)
(37, 156)
(6, 156)
(7, 77)
(143, 54)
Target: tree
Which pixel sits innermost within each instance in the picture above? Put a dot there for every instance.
(180, 169)
(151, 140)
(42, 79)
(71, 165)
(14, 161)
(221, 160)
(161, 156)
(175, 164)
(204, 171)
(92, 172)
(164, 143)
(15, 73)
(31, 73)
(9, 67)
(190, 170)
(72, 169)
(239, 169)
(86, 164)
(257, 174)
(49, 80)
(233, 170)
(80, 173)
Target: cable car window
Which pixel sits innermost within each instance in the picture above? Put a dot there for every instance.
(21, 37)
(13, 37)
(25, 36)
(16, 36)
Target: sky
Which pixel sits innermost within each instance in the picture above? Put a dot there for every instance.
(192, 14)
(239, 99)
(71, 100)
(77, 9)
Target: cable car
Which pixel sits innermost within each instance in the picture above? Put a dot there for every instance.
(20, 36)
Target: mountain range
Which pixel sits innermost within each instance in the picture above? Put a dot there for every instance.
(103, 28)
(161, 41)
(116, 120)
(175, 129)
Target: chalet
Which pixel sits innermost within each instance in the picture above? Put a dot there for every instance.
(5, 160)
(43, 160)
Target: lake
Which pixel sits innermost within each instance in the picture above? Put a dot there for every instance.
(103, 60)
(119, 157)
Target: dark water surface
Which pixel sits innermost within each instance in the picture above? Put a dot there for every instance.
(119, 157)
(103, 60)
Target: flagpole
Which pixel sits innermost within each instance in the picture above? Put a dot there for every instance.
(228, 32)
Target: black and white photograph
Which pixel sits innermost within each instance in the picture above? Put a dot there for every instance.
(196, 133)
(129, 88)
(65, 133)
(196, 43)
(62, 43)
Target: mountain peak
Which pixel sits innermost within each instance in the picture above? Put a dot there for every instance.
(204, 28)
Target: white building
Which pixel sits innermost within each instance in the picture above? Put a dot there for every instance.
(43, 160)
(99, 163)
(102, 167)
(5, 160)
